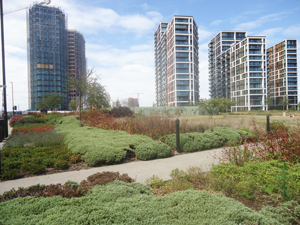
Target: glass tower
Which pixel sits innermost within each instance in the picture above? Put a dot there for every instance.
(47, 54)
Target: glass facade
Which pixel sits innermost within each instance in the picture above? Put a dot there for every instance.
(47, 54)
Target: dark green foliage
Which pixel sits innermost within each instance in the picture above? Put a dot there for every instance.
(32, 119)
(121, 112)
(191, 142)
(42, 139)
(146, 151)
(33, 168)
(31, 159)
(61, 164)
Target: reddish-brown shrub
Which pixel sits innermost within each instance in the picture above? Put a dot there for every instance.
(32, 129)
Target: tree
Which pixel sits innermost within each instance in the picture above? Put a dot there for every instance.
(97, 95)
(224, 104)
(284, 101)
(87, 85)
(50, 101)
(268, 101)
(73, 104)
(209, 105)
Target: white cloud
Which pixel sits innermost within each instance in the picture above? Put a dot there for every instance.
(216, 22)
(203, 33)
(257, 23)
(270, 32)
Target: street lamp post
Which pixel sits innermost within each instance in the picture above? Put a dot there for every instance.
(3, 72)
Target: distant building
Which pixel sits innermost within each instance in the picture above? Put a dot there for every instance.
(219, 62)
(76, 59)
(133, 102)
(47, 54)
(282, 73)
(248, 73)
(177, 62)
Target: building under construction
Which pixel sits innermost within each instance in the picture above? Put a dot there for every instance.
(76, 59)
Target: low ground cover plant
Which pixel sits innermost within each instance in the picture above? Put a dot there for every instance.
(68, 190)
(46, 138)
(107, 204)
(16, 120)
(99, 146)
(270, 177)
(218, 137)
(32, 128)
(18, 160)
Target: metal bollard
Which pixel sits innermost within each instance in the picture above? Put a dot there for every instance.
(177, 136)
(268, 123)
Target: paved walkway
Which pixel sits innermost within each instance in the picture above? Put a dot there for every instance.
(139, 170)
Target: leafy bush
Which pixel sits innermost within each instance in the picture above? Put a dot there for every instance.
(103, 146)
(121, 112)
(280, 143)
(75, 158)
(46, 138)
(155, 182)
(247, 180)
(191, 142)
(16, 120)
(32, 168)
(146, 151)
(106, 204)
(17, 160)
(32, 119)
(61, 164)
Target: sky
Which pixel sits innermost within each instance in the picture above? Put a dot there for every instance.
(119, 37)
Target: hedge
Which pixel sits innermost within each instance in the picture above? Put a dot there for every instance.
(134, 203)
(219, 136)
(99, 146)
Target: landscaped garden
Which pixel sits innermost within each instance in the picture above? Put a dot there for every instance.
(259, 169)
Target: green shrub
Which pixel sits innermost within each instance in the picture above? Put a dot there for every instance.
(32, 159)
(146, 151)
(32, 119)
(267, 176)
(33, 168)
(10, 174)
(155, 182)
(61, 164)
(106, 146)
(106, 204)
(191, 142)
(75, 158)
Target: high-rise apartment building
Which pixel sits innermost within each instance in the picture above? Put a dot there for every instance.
(248, 74)
(76, 58)
(47, 54)
(219, 67)
(282, 73)
(177, 62)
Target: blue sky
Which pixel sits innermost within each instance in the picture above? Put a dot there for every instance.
(119, 37)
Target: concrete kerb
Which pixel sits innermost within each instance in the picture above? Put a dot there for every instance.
(139, 170)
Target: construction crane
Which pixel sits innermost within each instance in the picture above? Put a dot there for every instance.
(47, 2)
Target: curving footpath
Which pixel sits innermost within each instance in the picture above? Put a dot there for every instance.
(139, 170)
